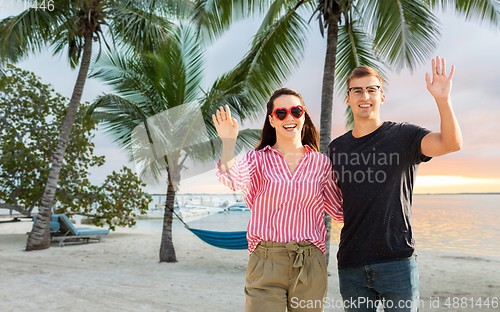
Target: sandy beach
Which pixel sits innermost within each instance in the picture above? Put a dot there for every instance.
(122, 273)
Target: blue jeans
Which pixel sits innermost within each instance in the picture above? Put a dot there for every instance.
(392, 285)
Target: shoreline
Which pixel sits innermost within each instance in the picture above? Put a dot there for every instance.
(122, 272)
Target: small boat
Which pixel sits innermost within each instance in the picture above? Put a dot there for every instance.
(198, 211)
(238, 206)
(161, 206)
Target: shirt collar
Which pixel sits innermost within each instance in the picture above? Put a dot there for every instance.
(268, 147)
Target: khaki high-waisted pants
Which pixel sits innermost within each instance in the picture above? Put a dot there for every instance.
(285, 275)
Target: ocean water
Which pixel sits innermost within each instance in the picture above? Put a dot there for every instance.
(468, 224)
(462, 223)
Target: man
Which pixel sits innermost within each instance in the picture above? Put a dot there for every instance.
(375, 165)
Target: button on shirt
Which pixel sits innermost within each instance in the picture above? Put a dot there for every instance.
(285, 207)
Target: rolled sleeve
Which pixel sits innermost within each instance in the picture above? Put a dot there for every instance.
(240, 175)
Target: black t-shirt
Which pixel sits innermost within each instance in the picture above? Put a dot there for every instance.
(376, 174)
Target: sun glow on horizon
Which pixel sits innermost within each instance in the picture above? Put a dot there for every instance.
(455, 184)
(441, 180)
(207, 183)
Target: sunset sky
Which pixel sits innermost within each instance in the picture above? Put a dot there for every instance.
(472, 48)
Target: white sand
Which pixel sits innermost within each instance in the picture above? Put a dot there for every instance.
(123, 273)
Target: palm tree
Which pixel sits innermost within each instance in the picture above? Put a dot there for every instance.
(160, 106)
(395, 33)
(72, 26)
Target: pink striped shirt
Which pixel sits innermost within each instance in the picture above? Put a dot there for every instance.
(285, 207)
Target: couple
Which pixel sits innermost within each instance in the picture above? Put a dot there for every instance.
(366, 181)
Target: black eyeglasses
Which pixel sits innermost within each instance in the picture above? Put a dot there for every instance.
(358, 91)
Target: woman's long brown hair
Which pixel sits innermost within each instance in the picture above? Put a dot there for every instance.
(309, 132)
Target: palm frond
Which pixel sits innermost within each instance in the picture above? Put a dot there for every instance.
(230, 89)
(118, 128)
(115, 104)
(163, 80)
(405, 32)
(27, 32)
(162, 132)
(275, 53)
(482, 10)
(179, 68)
(81, 17)
(200, 158)
(141, 30)
(176, 9)
(132, 76)
(278, 8)
(213, 17)
(247, 140)
(354, 49)
(149, 161)
(118, 117)
(68, 39)
(170, 134)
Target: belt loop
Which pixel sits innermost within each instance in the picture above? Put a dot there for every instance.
(265, 252)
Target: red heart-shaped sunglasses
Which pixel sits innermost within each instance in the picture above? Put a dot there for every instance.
(282, 113)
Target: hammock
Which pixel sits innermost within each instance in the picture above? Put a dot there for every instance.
(225, 240)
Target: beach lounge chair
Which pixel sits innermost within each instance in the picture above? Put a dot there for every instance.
(62, 230)
(54, 224)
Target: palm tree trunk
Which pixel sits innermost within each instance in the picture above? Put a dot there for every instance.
(328, 84)
(327, 102)
(39, 237)
(167, 251)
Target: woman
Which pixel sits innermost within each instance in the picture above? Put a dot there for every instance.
(287, 184)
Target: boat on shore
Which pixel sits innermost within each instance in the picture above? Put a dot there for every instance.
(186, 211)
(198, 211)
(238, 206)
